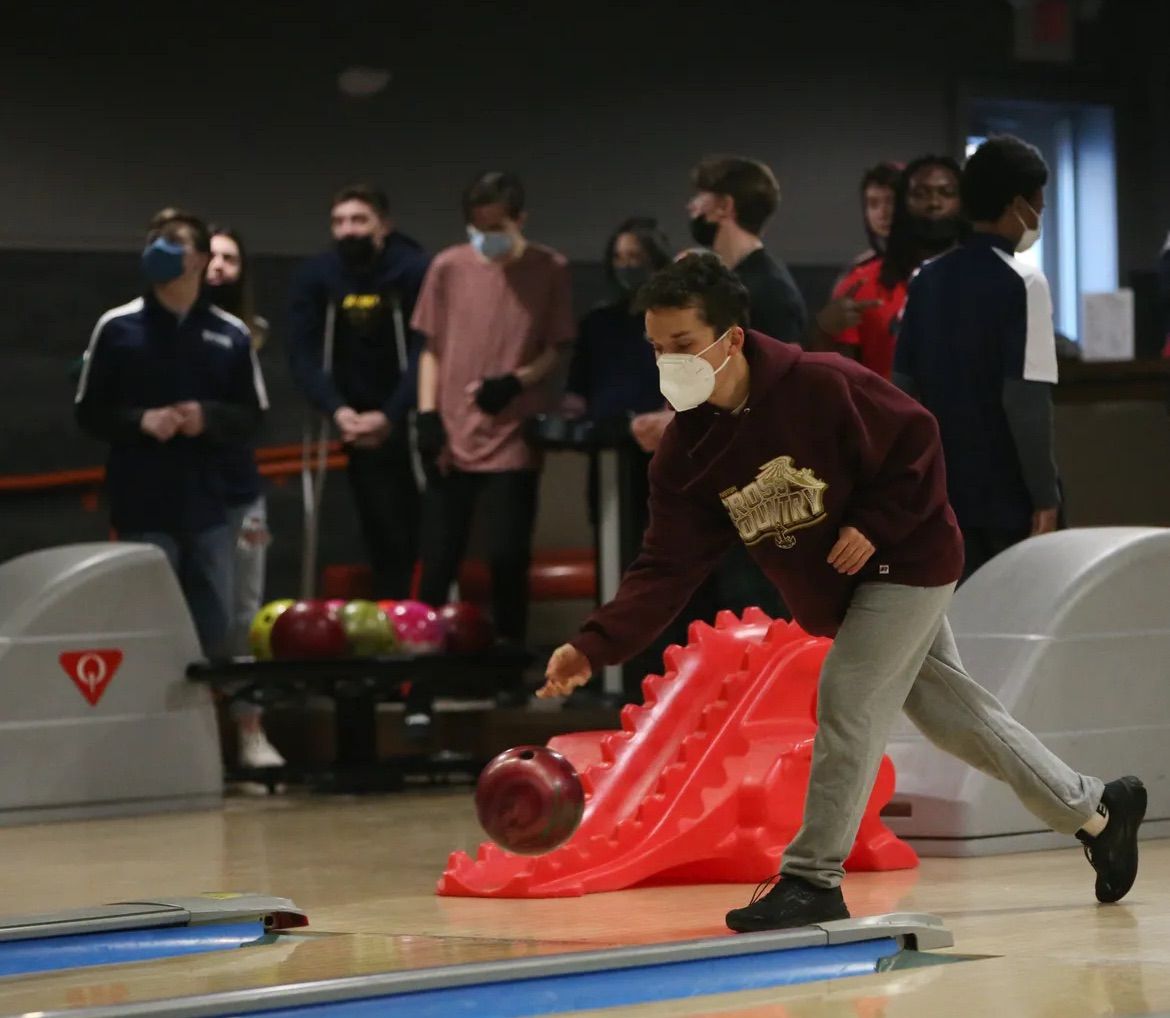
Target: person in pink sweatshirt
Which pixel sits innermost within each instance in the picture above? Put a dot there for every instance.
(835, 481)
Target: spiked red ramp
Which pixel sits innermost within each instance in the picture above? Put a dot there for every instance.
(703, 783)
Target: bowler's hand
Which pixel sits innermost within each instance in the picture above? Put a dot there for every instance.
(647, 429)
(160, 424)
(851, 551)
(1044, 521)
(567, 669)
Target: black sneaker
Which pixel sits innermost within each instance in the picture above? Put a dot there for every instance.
(791, 902)
(1114, 852)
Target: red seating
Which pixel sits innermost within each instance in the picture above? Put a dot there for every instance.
(556, 574)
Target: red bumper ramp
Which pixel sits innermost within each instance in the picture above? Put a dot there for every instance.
(703, 783)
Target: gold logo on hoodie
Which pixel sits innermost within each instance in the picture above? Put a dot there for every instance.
(778, 502)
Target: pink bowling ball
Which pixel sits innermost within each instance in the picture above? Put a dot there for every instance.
(419, 628)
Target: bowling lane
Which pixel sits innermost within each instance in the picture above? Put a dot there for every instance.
(367, 868)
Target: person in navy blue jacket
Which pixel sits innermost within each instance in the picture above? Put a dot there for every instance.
(171, 382)
(977, 347)
(364, 291)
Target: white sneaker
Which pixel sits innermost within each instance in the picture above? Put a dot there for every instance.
(256, 751)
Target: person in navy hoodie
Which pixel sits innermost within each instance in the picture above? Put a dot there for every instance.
(364, 291)
(171, 381)
(833, 479)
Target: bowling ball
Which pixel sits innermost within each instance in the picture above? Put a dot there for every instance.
(260, 631)
(386, 605)
(529, 800)
(308, 630)
(334, 605)
(469, 630)
(368, 630)
(419, 628)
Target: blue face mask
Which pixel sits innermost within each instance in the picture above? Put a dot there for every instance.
(494, 244)
(162, 260)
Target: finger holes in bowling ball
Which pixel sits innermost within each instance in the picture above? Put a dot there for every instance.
(529, 800)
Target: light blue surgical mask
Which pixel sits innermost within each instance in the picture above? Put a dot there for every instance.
(162, 260)
(492, 244)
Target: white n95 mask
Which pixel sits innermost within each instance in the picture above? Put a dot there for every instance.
(1031, 234)
(686, 379)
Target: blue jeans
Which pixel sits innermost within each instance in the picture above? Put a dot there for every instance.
(204, 564)
(249, 522)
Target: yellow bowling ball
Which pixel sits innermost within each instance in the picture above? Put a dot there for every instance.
(260, 632)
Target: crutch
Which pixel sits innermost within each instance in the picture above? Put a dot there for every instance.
(314, 466)
(416, 464)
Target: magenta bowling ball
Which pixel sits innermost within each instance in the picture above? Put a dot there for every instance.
(419, 628)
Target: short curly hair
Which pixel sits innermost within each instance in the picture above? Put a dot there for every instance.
(1000, 170)
(702, 282)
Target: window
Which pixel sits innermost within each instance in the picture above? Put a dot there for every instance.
(1077, 250)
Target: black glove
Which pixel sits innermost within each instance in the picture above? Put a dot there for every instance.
(496, 393)
(431, 434)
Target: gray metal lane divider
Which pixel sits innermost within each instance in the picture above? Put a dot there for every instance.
(916, 930)
(275, 913)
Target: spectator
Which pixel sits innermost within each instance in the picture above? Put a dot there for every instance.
(354, 358)
(734, 199)
(927, 221)
(228, 285)
(612, 376)
(612, 373)
(977, 347)
(877, 208)
(172, 382)
(495, 311)
(613, 379)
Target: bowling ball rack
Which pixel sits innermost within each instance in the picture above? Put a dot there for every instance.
(357, 686)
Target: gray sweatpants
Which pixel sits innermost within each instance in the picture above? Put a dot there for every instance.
(894, 652)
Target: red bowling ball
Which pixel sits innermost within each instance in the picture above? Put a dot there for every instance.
(469, 630)
(418, 626)
(308, 630)
(529, 800)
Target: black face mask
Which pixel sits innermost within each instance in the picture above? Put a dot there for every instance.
(225, 295)
(356, 252)
(936, 234)
(704, 232)
(631, 277)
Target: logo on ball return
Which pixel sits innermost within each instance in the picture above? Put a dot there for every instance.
(91, 670)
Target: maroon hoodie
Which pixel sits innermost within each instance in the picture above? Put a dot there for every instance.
(821, 444)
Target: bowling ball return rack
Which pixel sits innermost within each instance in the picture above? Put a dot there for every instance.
(357, 686)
